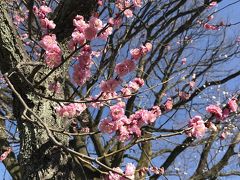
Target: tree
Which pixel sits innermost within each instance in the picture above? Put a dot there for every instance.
(110, 89)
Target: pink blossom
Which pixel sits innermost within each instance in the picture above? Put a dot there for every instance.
(79, 23)
(109, 85)
(111, 21)
(45, 9)
(143, 171)
(210, 17)
(68, 111)
(82, 70)
(35, 9)
(117, 21)
(107, 126)
(126, 92)
(135, 129)
(49, 43)
(136, 53)
(130, 170)
(18, 19)
(104, 35)
(80, 107)
(225, 113)
(143, 117)
(157, 170)
(133, 86)
(128, 13)
(123, 134)
(100, 2)
(156, 111)
(212, 4)
(139, 81)
(95, 104)
(113, 175)
(119, 123)
(120, 4)
(151, 117)
(148, 46)
(224, 135)
(232, 104)
(210, 27)
(137, 3)
(42, 11)
(184, 60)
(78, 37)
(168, 104)
(52, 59)
(85, 130)
(125, 120)
(90, 33)
(192, 84)
(96, 53)
(5, 154)
(85, 60)
(102, 96)
(215, 110)
(72, 45)
(81, 74)
(125, 67)
(46, 23)
(116, 111)
(95, 23)
(198, 127)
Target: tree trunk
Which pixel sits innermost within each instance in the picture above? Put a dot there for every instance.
(39, 157)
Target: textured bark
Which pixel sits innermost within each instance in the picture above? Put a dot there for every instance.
(11, 162)
(39, 157)
(146, 154)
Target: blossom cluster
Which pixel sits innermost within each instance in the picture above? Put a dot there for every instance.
(127, 127)
(70, 110)
(110, 85)
(127, 6)
(88, 31)
(53, 53)
(104, 97)
(130, 171)
(143, 50)
(132, 87)
(82, 69)
(220, 114)
(42, 15)
(124, 67)
(197, 127)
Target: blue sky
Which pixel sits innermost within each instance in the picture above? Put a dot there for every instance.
(232, 14)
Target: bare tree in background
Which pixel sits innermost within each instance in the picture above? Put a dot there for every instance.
(187, 58)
